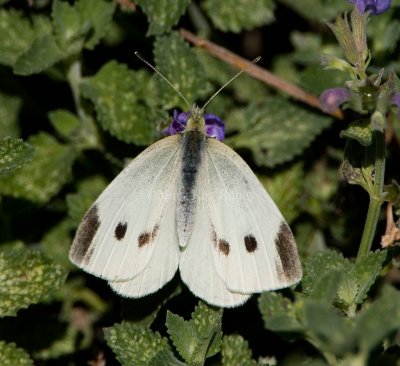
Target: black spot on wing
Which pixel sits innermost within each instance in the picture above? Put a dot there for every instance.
(148, 237)
(120, 230)
(84, 236)
(250, 243)
(287, 251)
(224, 247)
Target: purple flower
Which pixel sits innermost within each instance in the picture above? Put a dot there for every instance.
(215, 127)
(331, 99)
(375, 7)
(396, 101)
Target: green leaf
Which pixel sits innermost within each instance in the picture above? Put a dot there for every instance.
(98, 14)
(198, 338)
(275, 130)
(162, 14)
(27, 277)
(10, 107)
(379, 319)
(21, 33)
(14, 153)
(235, 351)
(319, 264)
(279, 313)
(134, 345)
(286, 189)
(88, 190)
(359, 130)
(245, 15)
(165, 357)
(329, 331)
(11, 355)
(320, 11)
(57, 242)
(179, 64)
(124, 102)
(45, 175)
(366, 271)
(64, 122)
(43, 53)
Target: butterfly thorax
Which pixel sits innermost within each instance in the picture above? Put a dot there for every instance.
(193, 142)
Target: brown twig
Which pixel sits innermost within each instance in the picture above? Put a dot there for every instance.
(256, 71)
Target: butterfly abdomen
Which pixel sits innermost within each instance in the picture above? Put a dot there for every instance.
(193, 146)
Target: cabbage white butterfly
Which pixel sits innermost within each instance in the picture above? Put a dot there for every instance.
(190, 202)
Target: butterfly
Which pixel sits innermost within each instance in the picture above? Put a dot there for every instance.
(190, 202)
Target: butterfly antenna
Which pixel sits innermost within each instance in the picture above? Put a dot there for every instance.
(233, 78)
(140, 57)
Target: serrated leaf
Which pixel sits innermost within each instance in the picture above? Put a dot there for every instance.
(199, 337)
(45, 175)
(326, 288)
(21, 32)
(124, 102)
(319, 264)
(165, 357)
(275, 130)
(78, 203)
(286, 189)
(179, 64)
(183, 335)
(134, 345)
(11, 355)
(27, 277)
(235, 351)
(327, 329)
(245, 15)
(10, 107)
(14, 153)
(162, 14)
(98, 14)
(379, 319)
(365, 271)
(57, 241)
(321, 11)
(359, 130)
(64, 122)
(42, 54)
(279, 313)
(69, 26)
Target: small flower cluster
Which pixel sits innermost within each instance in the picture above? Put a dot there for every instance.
(374, 7)
(215, 127)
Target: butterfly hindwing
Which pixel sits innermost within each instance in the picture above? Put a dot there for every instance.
(118, 236)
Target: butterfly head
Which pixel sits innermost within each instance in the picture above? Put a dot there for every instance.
(196, 120)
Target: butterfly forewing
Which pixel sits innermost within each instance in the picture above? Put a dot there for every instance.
(253, 248)
(118, 236)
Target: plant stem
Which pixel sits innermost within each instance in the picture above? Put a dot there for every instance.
(376, 200)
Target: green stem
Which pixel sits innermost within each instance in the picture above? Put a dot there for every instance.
(376, 200)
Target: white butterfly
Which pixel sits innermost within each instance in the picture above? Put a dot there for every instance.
(188, 202)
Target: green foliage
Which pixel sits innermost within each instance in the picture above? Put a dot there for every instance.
(121, 105)
(43, 178)
(14, 153)
(235, 351)
(177, 62)
(243, 15)
(11, 355)
(10, 107)
(275, 130)
(134, 345)
(199, 338)
(162, 15)
(27, 278)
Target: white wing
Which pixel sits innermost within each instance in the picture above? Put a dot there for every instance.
(196, 265)
(253, 247)
(133, 220)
